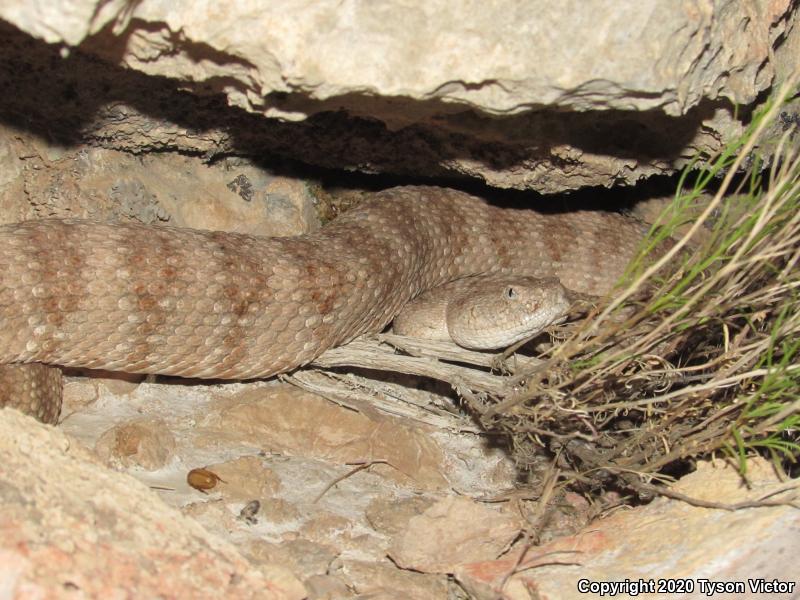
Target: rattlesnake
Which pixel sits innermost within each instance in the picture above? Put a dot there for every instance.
(485, 312)
(146, 299)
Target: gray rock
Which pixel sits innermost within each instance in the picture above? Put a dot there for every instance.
(535, 95)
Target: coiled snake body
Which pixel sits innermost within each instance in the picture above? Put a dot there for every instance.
(145, 299)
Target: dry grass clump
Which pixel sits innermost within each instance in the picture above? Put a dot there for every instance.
(694, 354)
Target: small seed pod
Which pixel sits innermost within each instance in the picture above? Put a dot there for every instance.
(203, 479)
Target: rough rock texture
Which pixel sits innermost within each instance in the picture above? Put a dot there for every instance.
(326, 522)
(299, 423)
(70, 528)
(62, 505)
(146, 443)
(665, 539)
(328, 49)
(38, 180)
(464, 531)
(500, 91)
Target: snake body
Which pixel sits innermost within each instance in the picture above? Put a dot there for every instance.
(147, 299)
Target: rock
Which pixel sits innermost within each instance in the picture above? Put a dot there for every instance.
(327, 528)
(214, 515)
(665, 539)
(390, 516)
(383, 581)
(500, 58)
(454, 531)
(328, 587)
(505, 95)
(286, 419)
(73, 528)
(269, 442)
(304, 558)
(279, 511)
(117, 383)
(245, 478)
(166, 189)
(78, 394)
(145, 442)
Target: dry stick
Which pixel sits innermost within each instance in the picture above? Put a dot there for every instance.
(738, 364)
(361, 393)
(368, 352)
(427, 360)
(707, 212)
(437, 350)
(651, 336)
(702, 443)
(363, 352)
(759, 503)
(449, 351)
(689, 446)
(783, 166)
(765, 426)
(735, 263)
(682, 451)
(530, 378)
(362, 464)
(532, 391)
(703, 425)
(793, 261)
(541, 504)
(710, 385)
(754, 347)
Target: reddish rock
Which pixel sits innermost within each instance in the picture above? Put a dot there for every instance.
(71, 528)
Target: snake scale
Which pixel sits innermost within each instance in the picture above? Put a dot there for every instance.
(149, 299)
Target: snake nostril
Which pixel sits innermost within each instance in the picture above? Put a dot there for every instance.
(511, 293)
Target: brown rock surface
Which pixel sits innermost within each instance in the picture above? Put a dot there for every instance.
(289, 420)
(145, 442)
(667, 539)
(454, 531)
(383, 581)
(245, 478)
(71, 527)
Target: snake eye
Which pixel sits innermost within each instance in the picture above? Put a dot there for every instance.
(511, 293)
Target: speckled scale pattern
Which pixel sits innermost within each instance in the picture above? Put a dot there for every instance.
(485, 312)
(146, 299)
(36, 390)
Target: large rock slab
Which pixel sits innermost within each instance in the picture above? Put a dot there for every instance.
(534, 95)
(499, 57)
(71, 528)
